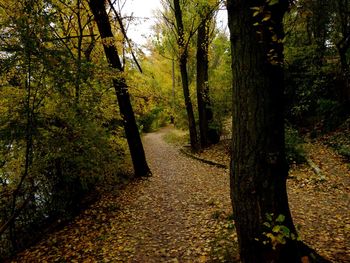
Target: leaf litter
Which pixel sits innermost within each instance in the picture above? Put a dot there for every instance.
(183, 213)
(180, 214)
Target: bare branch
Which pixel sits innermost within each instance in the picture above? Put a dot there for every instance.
(125, 36)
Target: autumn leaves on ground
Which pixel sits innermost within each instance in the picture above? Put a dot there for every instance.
(183, 213)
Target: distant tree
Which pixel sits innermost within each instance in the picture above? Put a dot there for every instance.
(258, 166)
(131, 131)
(183, 59)
(342, 21)
(208, 133)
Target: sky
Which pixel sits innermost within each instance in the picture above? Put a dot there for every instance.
(144, 9)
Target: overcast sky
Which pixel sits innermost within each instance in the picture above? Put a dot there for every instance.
(144, 9)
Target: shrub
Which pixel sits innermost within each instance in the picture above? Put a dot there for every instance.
(152, 120)
(295, 152)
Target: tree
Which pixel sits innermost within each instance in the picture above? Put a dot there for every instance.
(342, 8)
(183, 50)
(131, 131)
(258, 167)
(208, 134)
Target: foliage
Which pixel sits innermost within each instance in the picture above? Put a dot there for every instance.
(152, 120)
(61, 132)
(295, 152)
(340, 140)
(177, 137)
(276, 233)
(314, 86)
(59, 127)
(220, 79)
(306, 83)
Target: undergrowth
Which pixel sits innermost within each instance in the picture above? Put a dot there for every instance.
(177, 137)
(339, 140)
(295, 152)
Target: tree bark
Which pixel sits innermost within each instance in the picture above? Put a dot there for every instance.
(258, 165)
(343, 8)
(183, 49)
(208, 135)
(131, 131)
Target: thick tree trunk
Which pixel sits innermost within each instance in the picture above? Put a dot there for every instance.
(184, 76)
(258, 166)
(208, 135)
(131, 131)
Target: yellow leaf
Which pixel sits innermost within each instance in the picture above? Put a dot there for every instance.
(266, 17)
(255, 8)
(256, 13)
(203, 259)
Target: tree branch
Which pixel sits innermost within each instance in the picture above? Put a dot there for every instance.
(125, 36)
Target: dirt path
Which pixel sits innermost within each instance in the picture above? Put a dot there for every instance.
(175, 216)
(181, 214)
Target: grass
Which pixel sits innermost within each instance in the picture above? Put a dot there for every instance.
(177, 137)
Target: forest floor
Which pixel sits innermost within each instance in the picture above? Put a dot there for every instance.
(180, 214)
(319, 203)
(183, 212)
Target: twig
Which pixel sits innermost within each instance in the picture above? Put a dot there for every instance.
(316, 169)
(126, 37)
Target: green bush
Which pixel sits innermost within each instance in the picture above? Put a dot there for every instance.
(295, 152)
(152, 120)
(71, 154)
(313, 98)
(345, 151)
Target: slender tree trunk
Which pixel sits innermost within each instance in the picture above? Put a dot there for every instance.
(208, 135)
(345, 71)
(131, 131)
(184, 76)
(204, 111)
(258, 166)
(320, 19)
(173, 91)
(79, 50)
(343, 9)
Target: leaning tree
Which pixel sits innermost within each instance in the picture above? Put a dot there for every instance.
(131, 130)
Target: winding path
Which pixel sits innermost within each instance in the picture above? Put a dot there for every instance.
(174, 216)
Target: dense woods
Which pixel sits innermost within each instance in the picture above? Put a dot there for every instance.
(77, 94)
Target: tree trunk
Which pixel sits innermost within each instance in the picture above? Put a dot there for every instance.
(321, 19)
(345, 72)
(131, 131)
(208, 135)
(183, 49)
(258, 165)
(342, 8)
